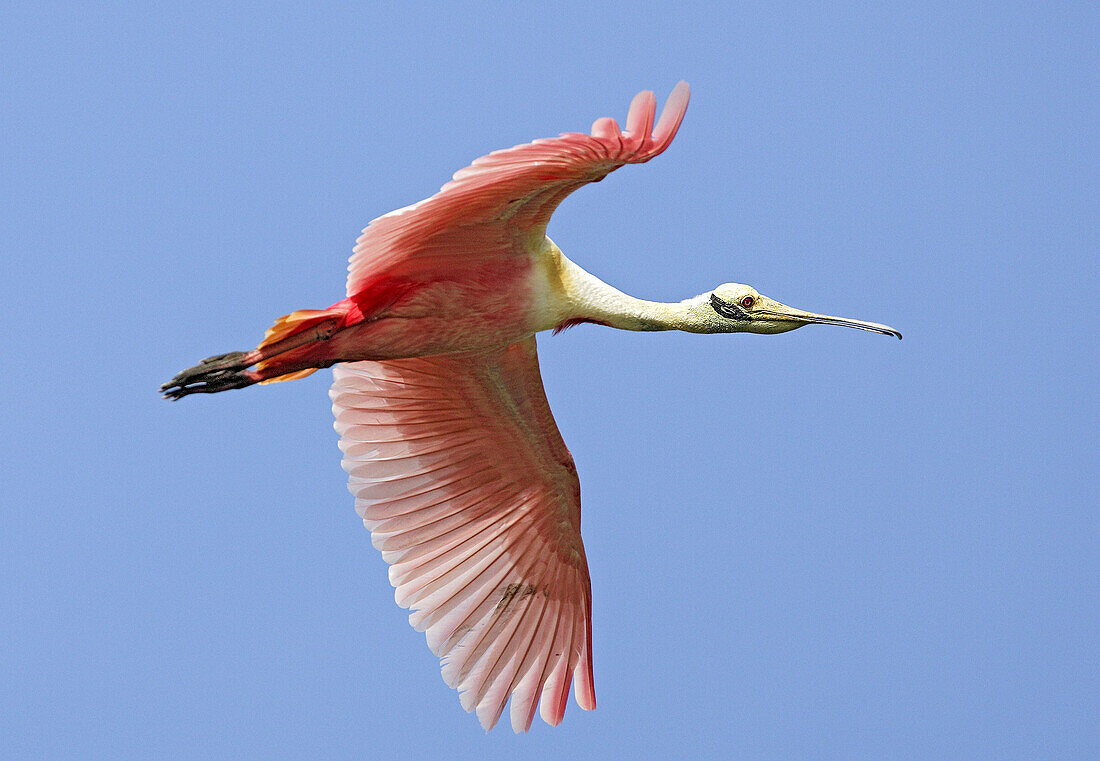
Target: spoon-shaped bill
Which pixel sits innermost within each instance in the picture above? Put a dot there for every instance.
(783, 312)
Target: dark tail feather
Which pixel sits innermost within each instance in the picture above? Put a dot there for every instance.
(213, 374)
(288, 351)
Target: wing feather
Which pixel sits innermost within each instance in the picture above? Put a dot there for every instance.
(471, 495)
(490, 208)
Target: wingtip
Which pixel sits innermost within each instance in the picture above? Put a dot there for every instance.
(488, 718)
(584, 691)
(606, 128)
(639, 119)
(672, 115)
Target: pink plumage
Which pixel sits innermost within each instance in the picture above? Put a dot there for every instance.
(494, 206)
(456, 463)
(451, 450)
(472, 497)
(454, 459)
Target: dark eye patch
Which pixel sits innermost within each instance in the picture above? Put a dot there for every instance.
(728, 310)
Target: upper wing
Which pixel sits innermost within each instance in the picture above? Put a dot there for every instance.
(491, 207)
(468, 489)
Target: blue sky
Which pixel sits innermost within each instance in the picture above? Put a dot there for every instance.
(825, 544)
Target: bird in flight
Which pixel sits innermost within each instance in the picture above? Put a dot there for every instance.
(452, 453)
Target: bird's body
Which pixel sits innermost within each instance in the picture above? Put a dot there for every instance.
(492, 304)
(451, 449)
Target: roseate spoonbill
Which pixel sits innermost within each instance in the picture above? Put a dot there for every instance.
(454, 459)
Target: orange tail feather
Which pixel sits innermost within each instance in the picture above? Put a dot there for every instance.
(284, 332)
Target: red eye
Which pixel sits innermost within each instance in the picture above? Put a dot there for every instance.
(747, 302)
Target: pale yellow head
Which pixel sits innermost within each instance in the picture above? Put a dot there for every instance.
(738, 308)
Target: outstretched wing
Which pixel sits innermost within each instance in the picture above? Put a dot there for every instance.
(470, 493)
(493, 207)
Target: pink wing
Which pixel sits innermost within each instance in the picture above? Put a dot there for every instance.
(492, 207)
(471, 495)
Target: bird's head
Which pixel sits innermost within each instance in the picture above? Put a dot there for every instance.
(738, 308)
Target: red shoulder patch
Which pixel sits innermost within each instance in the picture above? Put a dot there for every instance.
(375, 296)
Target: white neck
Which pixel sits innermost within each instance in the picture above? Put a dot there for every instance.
(589, 298)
